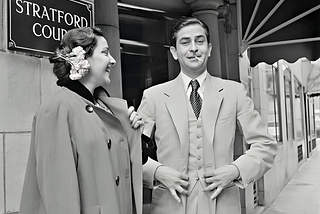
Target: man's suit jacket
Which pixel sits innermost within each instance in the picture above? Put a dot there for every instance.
(225, 104)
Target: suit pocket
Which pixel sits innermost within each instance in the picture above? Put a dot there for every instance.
(91, 210)
(158, 196)
(164, 203)
(157, 193)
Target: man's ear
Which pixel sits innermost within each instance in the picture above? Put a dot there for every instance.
(173, 51)
(210, 48)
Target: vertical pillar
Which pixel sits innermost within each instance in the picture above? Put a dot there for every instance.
(107, 19)
(206, 11)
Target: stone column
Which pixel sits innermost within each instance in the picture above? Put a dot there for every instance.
(107, 19)
(206, 11)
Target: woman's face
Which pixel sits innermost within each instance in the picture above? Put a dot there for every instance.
(101, 62)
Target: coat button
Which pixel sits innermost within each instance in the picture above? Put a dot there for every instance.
(89, 108)
(117, 180)
(109, 144)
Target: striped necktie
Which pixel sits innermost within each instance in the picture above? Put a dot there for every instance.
(195, 99)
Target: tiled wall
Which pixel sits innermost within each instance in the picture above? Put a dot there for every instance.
(25, 82)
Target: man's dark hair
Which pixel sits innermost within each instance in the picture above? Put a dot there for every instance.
(185, 22)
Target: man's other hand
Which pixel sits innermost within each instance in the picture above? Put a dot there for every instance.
(220, 178)
(173, 180)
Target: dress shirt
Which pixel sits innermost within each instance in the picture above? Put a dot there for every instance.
(201, 79)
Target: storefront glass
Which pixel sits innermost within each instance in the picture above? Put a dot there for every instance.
(298, 110)
(288, 103)
(273, 104)
(144, 39)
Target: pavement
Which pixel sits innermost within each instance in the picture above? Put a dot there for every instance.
(302, 194)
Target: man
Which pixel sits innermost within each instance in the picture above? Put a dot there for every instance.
(195, 116)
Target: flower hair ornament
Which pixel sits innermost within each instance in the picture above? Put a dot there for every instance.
(79, 65)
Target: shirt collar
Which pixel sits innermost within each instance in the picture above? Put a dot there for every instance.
(201, 79)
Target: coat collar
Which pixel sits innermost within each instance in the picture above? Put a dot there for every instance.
(77, 87)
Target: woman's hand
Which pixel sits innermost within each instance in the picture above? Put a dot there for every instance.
(135, 119)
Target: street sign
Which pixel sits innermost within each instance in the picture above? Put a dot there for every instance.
(37, 26)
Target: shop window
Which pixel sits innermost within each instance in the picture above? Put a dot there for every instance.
(273, 102)
(298, 110)
(144, 39)
(311, 117)
(288, 103)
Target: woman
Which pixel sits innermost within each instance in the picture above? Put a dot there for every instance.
(79, 160)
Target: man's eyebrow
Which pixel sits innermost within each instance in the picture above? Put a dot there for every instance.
(197, 37)
(184, 38)
(200, 36)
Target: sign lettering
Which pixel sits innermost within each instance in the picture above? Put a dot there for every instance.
(38, 26)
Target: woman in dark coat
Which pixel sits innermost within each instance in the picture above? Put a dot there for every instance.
(85, 155)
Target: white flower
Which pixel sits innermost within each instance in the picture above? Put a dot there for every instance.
(75, 76)
(78, 51)
(79, 65)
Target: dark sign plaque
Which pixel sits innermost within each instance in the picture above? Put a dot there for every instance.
(37, 26)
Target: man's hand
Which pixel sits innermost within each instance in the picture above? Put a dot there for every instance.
(135, 119)
(220, 178)
(173, 180)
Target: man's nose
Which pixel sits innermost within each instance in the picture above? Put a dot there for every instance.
(193, 47)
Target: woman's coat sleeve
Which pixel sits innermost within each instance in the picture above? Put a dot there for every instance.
(52, 164)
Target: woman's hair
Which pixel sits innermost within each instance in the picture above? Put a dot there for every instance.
(84, 37)
(185, 22)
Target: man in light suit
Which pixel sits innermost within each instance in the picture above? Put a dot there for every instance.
(195, 116)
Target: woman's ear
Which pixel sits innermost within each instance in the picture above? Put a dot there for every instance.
(173, 51)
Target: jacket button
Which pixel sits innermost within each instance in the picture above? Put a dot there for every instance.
(117, 180)
(89, 108)
(109, 144)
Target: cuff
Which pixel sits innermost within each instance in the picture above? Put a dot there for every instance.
(238, 181)
(149, 168)
(239, 177)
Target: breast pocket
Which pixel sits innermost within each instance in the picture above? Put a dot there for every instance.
(226, 118)
(91, 210)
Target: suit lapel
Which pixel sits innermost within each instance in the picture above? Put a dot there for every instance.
(176, 105)
(211, 107)
(212, 101)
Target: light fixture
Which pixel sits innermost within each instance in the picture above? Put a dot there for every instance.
(130, 42)
(139, 8)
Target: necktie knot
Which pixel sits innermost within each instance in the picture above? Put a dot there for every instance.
(194, 84)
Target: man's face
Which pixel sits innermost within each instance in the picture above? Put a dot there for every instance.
(192, 50)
